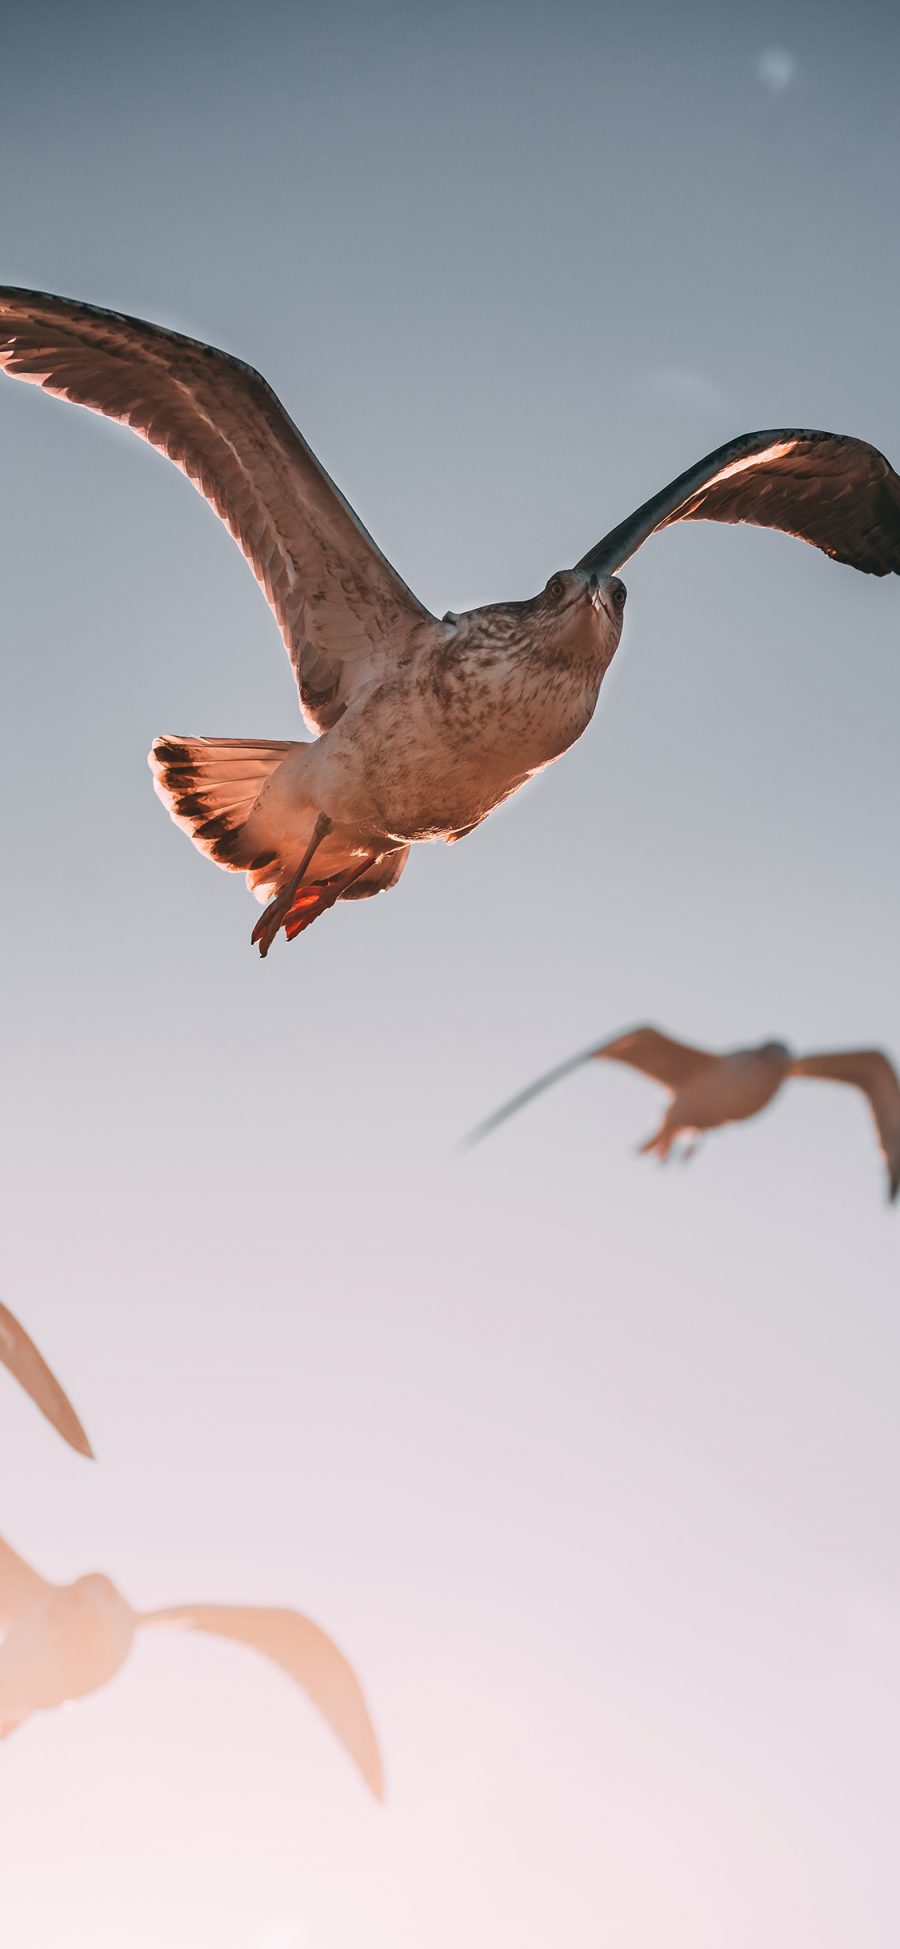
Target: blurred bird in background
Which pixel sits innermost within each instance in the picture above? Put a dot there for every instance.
(59, 1642)
(708, 1090)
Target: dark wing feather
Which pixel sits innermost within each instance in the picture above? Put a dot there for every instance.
(870, 1071)
(837, 493)
(344, 612)
(308, 1656)
(657, 1055)
(21, 1356)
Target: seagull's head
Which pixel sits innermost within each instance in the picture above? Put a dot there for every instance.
(98, 1633)
(95, 1593)
(578, 610)
(577, 615)
(775, 1052)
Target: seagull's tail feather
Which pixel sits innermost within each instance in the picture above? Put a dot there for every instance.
(209, 786)
(215, 790)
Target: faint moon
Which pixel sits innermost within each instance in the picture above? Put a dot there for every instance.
(776, 69)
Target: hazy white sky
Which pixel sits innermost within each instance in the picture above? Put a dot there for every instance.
(591, 1468)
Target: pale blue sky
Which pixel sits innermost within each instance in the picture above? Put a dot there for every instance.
(592, 1468)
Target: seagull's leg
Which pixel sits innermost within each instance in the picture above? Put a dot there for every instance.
(278, 909)
(325, 895)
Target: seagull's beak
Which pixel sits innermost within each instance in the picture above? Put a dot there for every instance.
(595, 597)
(599, 590)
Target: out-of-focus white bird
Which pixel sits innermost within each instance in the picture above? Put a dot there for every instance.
(61, 1641)
(19, 1353)
(708, 1090)
(425, 725)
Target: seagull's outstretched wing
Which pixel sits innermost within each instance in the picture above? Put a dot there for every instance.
(657, 1055)
(21, 1356)
(343, 611)
(870, 1071)
(525, 1096)
(307, 1655)
(826, 488)
(20, 1588)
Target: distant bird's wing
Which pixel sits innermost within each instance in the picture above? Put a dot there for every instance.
(307, 1655)
(657, 1055)
(21, 1356)
(344, 612)
(870, 1071)
(20, 1588)
(525, 1096)
(826, 488)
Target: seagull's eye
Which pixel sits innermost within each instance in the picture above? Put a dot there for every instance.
(556, 587)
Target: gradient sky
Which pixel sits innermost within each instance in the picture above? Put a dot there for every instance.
(591, 1468)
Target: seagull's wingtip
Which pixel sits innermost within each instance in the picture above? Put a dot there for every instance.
(365, 1752)
(68, 1425)
(74, 1434)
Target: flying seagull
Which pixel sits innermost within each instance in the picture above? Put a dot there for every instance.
(709, 1090)
(424, 725)
(59, 1642)
(21, 1356)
